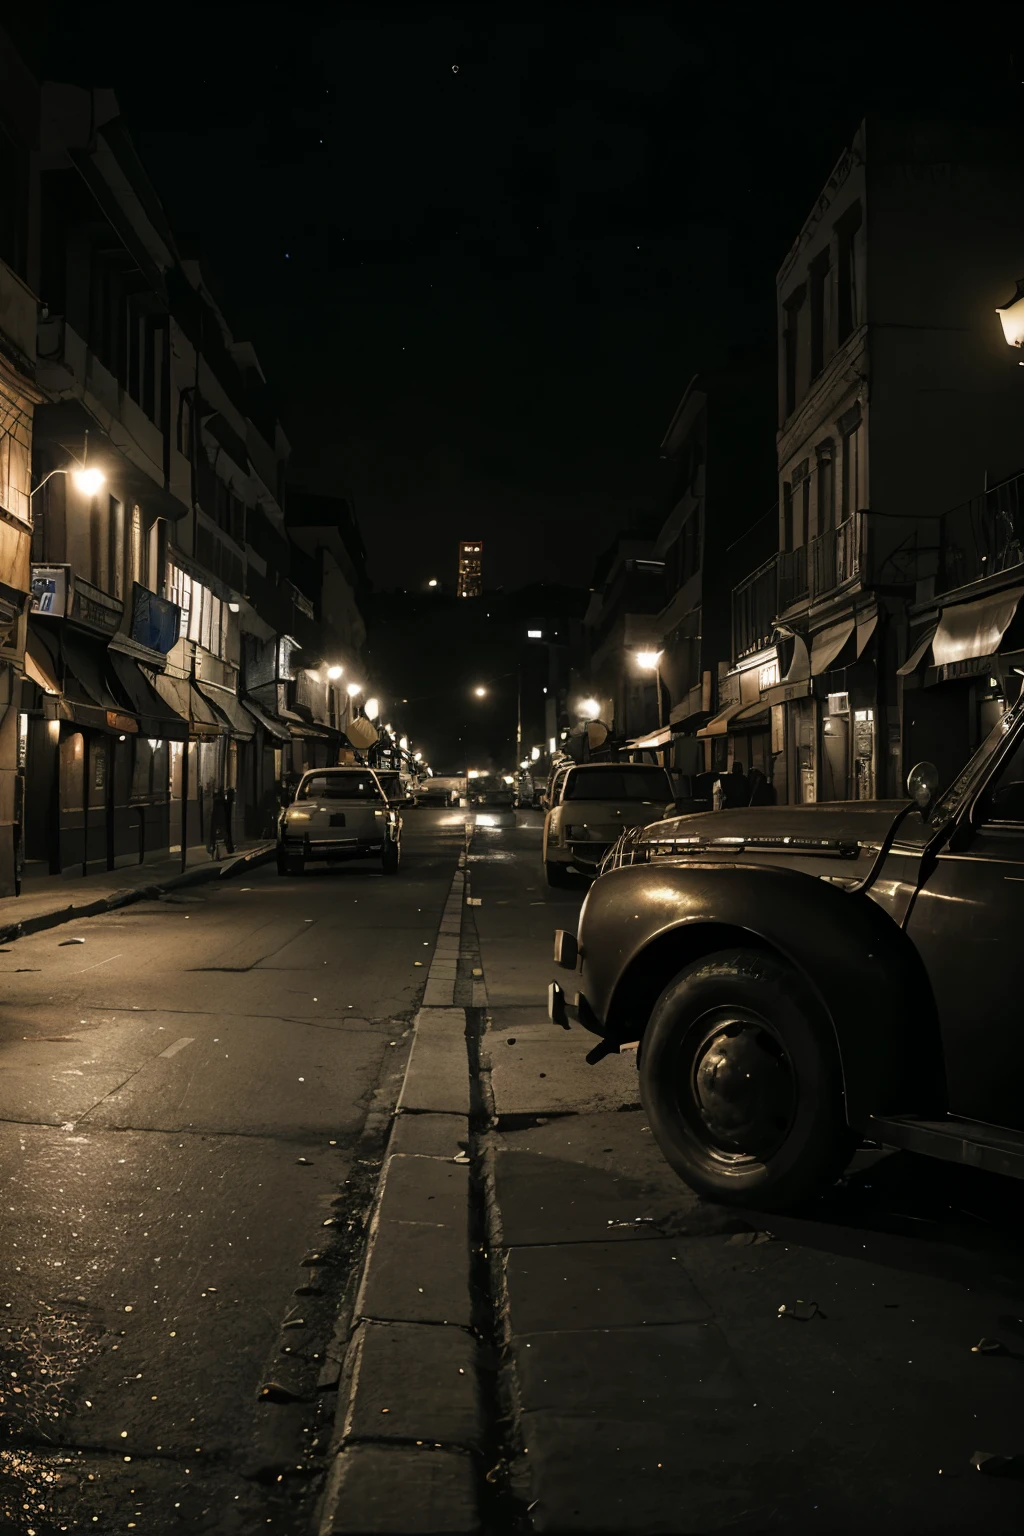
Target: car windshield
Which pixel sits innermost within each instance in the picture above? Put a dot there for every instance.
(618, 784)
(339, 786)
(943, 809)
(390, 783)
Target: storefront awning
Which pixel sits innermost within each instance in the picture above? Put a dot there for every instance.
(826, 645)
(719, 725)
(275, 728)
(970, 630)
(156, 718)
(799, 669)
(752, 714)
(226, 703)
(918, 654)
(40, 664)
(659, 738)
(189, 703)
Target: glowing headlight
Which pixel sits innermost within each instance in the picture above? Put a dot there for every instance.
(378, 813)
(296, 816)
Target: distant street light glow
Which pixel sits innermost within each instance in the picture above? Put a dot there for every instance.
(371, 709)
(403, 742)
(334, 673)
(431, 582)
(588, 708)
(353, 689)
(480, 692)
(534, 634)
(534, 754)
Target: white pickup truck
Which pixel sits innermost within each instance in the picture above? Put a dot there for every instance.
(339, 813)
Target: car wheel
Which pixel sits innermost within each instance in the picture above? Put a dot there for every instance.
(742, 1083)
(557, 874)
(391, 858)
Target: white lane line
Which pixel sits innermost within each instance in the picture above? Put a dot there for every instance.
(98, 962)
(178, 1045)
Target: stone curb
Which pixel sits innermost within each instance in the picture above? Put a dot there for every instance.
(40, 921)
(410, 1416)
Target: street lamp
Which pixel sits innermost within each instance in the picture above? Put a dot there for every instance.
(589, 709)
(353, 689)
(333, 673)
(403, 742)
(371, 709)
(432, 582)
(648, 661)
(88, 481)
(481, 693)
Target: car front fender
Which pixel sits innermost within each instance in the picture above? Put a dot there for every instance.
(644, 923)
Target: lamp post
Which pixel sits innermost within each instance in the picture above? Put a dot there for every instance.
(649, 661)
(1011, 316)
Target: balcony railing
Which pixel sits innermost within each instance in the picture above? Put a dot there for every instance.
(837, 555)
(982, 536)
(755, 602)
(792, 576)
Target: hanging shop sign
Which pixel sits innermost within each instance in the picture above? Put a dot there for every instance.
(58, 593)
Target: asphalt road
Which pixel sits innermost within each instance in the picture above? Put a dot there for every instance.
(193, 1093)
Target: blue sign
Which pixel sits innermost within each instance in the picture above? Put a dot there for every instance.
(155, 621)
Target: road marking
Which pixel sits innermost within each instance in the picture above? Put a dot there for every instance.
(178, 1045)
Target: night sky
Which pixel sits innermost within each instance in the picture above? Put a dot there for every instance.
(481, 249)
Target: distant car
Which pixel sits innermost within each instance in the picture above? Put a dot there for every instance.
(441, 789)
(339, 813)
(491, 789)
(800, 977)
(595, 802)
(525, 795)
(397, 786)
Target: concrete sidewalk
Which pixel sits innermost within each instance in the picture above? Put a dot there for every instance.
(49, 900)
(659, 1385)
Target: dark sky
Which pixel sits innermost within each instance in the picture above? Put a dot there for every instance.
(481, 249)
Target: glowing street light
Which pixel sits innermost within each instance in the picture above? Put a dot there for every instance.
(432, 582)
(334, 673)
(588, 708)
(87, 480)
(481, 693)
(534, 754)
(403, 742)
(417, 757)
(647, 661)
(1011, 316)
(353, 689)
(371, 709)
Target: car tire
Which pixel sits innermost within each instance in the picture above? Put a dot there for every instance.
(558, 875)
(742, 1083)
(391, 858)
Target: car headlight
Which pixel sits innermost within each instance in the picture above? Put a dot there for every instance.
(295, 816)
(378, 813)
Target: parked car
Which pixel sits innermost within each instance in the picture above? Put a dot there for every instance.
(339, 813)
(441, 789)
(801, 977)
(594, 802)
(552, 790)
(496, 790)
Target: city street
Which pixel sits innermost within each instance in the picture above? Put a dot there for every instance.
(196, 1094)
(193, 1095)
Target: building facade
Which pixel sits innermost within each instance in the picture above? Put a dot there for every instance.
(470, 581)
(896, 398)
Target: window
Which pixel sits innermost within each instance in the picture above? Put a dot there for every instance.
(852, 470)
(204, 616)
(826, 487)
(802, 504)
(184, 426)
(849, 242)
(138, 573)
(821, 311)
(628, 783)
(116, 534)
(787, 516)
(805, 510)
(790, 344)
(99, 542)
(340, 786)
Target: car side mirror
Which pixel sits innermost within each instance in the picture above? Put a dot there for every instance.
(923, 786)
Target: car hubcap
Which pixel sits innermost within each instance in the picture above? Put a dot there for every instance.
(742, 1088)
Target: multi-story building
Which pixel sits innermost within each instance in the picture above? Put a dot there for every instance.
(159, 572)
(896, 398)
(470, 581)
(623, 633)
(19, 271)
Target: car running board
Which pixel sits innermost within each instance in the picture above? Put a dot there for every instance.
(955, 1141)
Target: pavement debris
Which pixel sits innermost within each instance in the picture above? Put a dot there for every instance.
(988, 1347)
(274, 1392)
(64, 942)
(801, 1311)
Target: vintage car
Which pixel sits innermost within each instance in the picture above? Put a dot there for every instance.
(339, 813)
(493, 790)
(594, 802)
(440, 789)
(800, 978)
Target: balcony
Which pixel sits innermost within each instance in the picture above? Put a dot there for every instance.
(755, 602)
(982, 537)
(837, 555)
(792, 576)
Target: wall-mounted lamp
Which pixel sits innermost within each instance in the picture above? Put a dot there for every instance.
(1011, 317)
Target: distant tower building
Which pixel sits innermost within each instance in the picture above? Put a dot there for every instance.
(471, 582)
